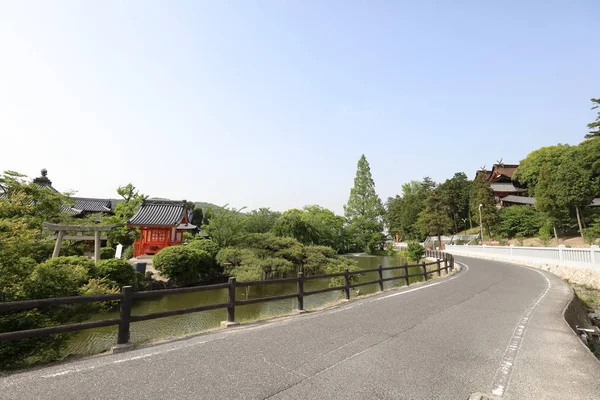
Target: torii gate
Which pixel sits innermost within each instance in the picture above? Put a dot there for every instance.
(61, 229)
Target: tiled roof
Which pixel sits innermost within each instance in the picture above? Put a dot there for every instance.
(519, 200)
(596, 202)
(159, 213)
(87, 205)
(505, 187)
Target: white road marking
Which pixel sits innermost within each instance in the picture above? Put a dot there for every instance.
(502, 377)
(127, 359)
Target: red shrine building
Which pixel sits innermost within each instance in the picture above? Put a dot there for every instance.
(161, 224)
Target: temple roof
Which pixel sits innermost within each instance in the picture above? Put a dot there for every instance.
(500, 171)
(518, 200)
(44, 181)
(506, 187)
(159, 213)
(88, 205)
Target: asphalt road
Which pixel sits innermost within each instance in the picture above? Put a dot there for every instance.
(493, 327)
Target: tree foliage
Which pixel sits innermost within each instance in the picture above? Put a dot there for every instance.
(435, 219)
(481, 193)
(594, 127)
(266, 256)
(226, 226)
(403, 211)
(415, 251)
(131, 200)
(520, 221)
(456, 192)
(364, 210)
(261, 220)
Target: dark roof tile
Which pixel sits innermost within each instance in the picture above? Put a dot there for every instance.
(159, 213)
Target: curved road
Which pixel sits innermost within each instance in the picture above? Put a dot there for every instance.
(493, 327)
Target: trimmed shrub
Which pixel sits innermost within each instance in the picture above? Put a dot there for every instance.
(107, 253)
(185, 265)
(117, 272)
(206, 245)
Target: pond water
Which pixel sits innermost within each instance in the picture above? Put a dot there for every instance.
(94, 341)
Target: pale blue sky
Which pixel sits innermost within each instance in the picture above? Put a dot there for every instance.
(271, 103)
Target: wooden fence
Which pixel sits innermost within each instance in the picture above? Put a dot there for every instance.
(444, 262)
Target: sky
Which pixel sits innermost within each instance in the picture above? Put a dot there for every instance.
(272, 103)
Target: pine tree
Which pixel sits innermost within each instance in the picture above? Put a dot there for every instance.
(435, 218)
(364, 210)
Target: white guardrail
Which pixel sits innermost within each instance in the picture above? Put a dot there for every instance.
(561, 255)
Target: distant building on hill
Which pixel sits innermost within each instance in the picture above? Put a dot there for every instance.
(504, 190)
(500, 180)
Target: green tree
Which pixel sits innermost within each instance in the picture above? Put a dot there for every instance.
(529, 170)
(519, 220)
(131, 200)
(293, 223)
(261, 220)
(402, 212)
(481, 193)
(415, 251)
(329, 228)
(456, 191)
(594, 127)
(570, 185)
(435, 218)
(28, 201)
(364, 210)
(226, 226)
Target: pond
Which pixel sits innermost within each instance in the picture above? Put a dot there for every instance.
(94, 341)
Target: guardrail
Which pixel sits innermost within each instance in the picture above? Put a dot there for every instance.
(127, 296)
(561, 255)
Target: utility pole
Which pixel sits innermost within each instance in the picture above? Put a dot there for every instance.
(480, 224)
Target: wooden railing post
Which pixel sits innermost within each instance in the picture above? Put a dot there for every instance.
(347, 284)
(380, 273)
(406, 275)
(231, 300)
(446, 264)
(451, 263)
(439, 267)
(300, 286)
(424, 271)
(125, 315)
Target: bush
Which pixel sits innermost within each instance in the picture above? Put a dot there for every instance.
(206, 245)
(60, 277)
(56, 277)
(185, 265)
(415, 251)
(107, 253)
(117, 272)
(519, 220)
